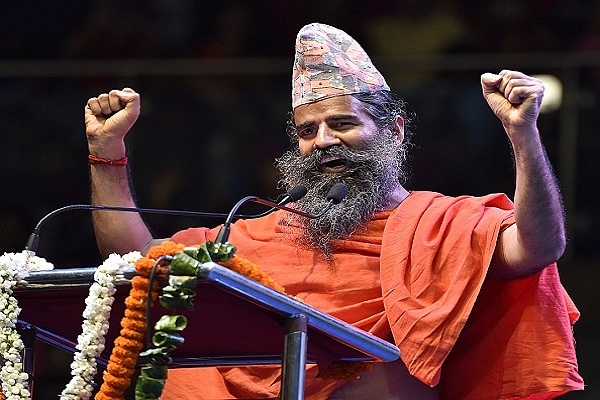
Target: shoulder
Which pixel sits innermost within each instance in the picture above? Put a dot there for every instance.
(432, 210)
(499, 200)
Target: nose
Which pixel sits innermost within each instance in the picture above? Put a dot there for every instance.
(325, 137)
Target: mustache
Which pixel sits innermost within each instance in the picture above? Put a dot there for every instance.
(353, 157)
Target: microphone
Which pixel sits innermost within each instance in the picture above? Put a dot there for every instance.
(32, 244)
(294, 194)
(335, 195)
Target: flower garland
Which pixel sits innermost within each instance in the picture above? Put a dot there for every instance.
(251, 270)
(13, 267)
(127, 346)
(90, 342)
(123, 359)
(180, 293)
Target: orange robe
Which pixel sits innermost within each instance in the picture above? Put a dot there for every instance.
(417, 273)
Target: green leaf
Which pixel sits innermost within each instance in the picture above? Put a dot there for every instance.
(148, 388)
(177, 300)
(164, 339)
(171, 323)
(220, 252)
(154, 371)
(183, 281)
(155, 351)
(198, 253)
(183, 264)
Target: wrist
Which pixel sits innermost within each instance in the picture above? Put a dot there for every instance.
(524, 138)
(107, 149)
(105, 161)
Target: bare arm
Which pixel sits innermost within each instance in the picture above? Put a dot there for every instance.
(538, 238)
(108, 118)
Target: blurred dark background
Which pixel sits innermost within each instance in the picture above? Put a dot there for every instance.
(215, 83)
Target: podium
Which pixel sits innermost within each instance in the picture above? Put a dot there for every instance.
(235, 321)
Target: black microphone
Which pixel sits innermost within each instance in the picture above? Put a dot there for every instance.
(335, 195)
(294, 194)
(32, 244)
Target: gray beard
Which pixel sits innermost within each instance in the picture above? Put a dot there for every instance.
(374, 173)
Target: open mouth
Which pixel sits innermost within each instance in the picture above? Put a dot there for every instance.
(334, 164)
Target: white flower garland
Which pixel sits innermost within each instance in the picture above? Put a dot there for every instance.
(91, 341)
(14, 266)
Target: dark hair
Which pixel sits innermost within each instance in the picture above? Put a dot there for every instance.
(383, 106)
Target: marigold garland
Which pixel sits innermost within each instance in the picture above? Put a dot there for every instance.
(339, 370)
(252, 271)
(128, 345)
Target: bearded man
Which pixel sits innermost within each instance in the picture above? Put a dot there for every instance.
(466, 287)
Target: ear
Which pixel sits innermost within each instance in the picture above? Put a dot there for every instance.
(398, 128)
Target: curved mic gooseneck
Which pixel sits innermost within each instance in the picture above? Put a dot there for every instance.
(335, 195)
(32, 244)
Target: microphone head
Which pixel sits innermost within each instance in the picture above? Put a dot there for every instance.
(337, 193)
(297, 192)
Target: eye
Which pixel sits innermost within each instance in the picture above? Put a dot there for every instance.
(343, 125)
(305, 132)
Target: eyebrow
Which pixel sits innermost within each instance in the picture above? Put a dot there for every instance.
(303, 126)
(339, 117)
(342, 117)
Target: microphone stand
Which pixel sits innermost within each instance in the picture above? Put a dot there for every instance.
(335, 196)
(33, 241)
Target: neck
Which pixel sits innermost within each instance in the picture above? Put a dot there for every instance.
(396, 197)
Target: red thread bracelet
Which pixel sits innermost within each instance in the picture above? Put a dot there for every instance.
(116, 163)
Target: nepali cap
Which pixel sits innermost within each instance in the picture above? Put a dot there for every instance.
(330, 63)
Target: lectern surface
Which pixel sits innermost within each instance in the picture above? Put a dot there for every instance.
(235, 321)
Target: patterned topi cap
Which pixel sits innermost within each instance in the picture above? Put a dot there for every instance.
(330, 63)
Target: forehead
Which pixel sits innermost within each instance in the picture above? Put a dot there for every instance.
(333, 106)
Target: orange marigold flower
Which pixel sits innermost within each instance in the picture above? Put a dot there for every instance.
(121, 353)
(165, 248)
(101, 396)
(134, 313)
(138, 325)
(138, 294)
(117, 382)
(118, 370)
(128, 362)
(111, 392)
(123, 358)
(252, 271)
(135, 304)
(140, 282)
(144, 265)
(128, 343)
(132, 335)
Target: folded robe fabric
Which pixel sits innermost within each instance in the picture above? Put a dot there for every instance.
(476, 338)
(347, 288)
(484, 338)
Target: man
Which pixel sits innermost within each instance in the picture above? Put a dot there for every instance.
(466, 287)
